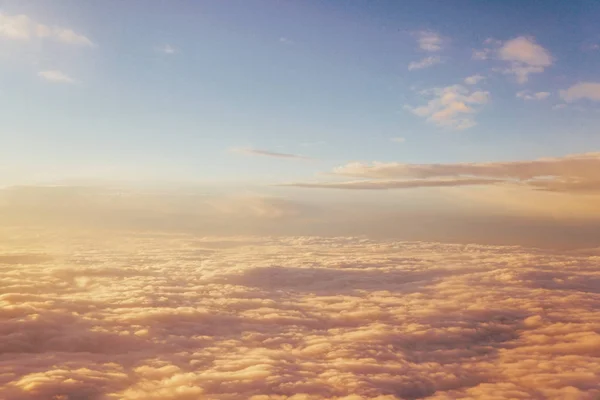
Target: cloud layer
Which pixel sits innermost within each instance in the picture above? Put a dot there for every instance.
(180, 317)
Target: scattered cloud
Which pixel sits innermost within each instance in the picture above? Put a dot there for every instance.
(285, 40)
(398, 139)
(429, 40)
(482, 54)
(582, 90)
(452, 107)
(528, 95)
(179, 317)
(167, 49)
(56, 76)
(394, 184)
(267, 153)
(21, 27)
(474, 79)
(424, 63)
(525, 57)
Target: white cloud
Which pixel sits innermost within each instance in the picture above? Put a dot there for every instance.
(528, 95)
(56, 76)
(398, 139)
(429, 40)
(452, 107)
(424, 63)
(267, 153)
(525, 57)
(582, 90)
(165, 316)
(21, 27)
(482, 54)
(474, 79)
(167, 49)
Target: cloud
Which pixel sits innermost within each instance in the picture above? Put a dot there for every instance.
(267, 153)
(179, 317)
(424, 63)
(394, 184)
(577, 173)
(55, 76)
(525, 57)
(583, 90)
(167, 49)
(429, 40)
(398, 139)
(21, 27)
(528, 95)
(452, 107)
(474, 79)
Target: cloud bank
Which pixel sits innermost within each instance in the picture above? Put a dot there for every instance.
(180, 317)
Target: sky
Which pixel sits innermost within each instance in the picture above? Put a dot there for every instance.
(486, 107)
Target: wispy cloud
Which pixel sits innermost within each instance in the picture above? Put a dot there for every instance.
(424, 63)
(398, 139)
(428, 40)
(452, 107)
(582, 90)
(167, 49)
(528, 95)
(474, 79)
(394, 184)
(267, 153)
(56, 76)
(21, 27)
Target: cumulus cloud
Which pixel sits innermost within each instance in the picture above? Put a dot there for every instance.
(267, 153)
(424, 63)
(474, 79)
(22, 27)
(428, 40)
(528, 95)
(179, 317)
(583, 90)
(525, 57)
(452, 107)
(56, 76)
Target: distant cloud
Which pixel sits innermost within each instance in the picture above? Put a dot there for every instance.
(573, 173)
(525, 57)
(21, 27)
(167, 49)
(56, 76)
(429, 40)
(474, 79)
(285, 40)
(424, 63)
(267, 153)
(452, 107)
(394, 184)
(528, 95)
(582, 90)
(398, 139)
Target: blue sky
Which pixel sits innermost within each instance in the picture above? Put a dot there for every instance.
(165, 90)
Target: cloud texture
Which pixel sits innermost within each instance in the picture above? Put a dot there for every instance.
(181, 317)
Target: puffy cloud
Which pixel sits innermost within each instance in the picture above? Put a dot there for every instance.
(267, 153)
(525, 57)
(583, 90)
(429, 40)
(21, 27)
(474, 79)
(56, 76)
(452, 107)
(424, 63)
(178, 317)
(528, 95)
